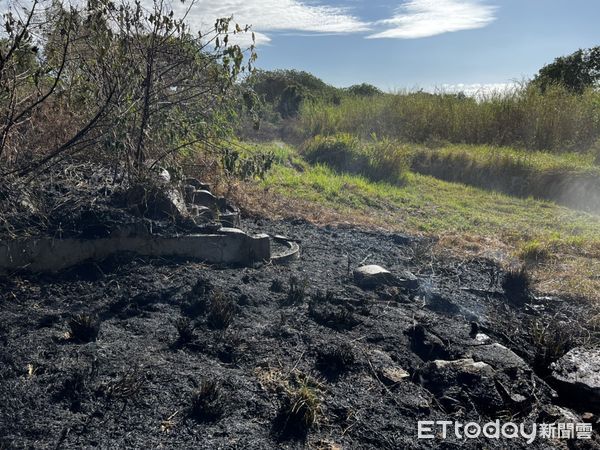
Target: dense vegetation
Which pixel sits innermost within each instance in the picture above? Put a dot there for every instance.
(540, 138)
(526, 117)
(115, 80)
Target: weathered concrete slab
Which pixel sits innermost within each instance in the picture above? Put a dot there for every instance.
(227, 246)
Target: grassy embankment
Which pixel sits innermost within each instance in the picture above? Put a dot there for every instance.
(560, 245)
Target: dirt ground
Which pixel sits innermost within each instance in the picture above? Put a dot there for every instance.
(136, 352)
(298, 356)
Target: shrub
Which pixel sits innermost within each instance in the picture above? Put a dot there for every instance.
(379, 160)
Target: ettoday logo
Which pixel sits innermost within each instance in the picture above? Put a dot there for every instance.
(443, 429)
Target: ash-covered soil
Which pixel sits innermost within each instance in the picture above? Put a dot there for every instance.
(191, 356)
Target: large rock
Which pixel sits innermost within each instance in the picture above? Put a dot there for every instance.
(205, 198)
(372, 276)
(577, 376)
(156, 202)
(498, 356)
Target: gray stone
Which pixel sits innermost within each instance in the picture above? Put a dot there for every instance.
(164, 174)
(155, 202)
(394, 374)
(577, 376)
(467, 365)
(372, 276)
(498, 356)
(448, 379)
(385, 368)
(205, 198)
(408, 281)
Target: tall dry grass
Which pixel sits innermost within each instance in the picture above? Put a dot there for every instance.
(523, 117)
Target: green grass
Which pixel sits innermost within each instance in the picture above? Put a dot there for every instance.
(568, 178)
(536, 160)
(430, 205)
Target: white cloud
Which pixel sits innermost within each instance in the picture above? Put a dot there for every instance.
(413, 19)
(479, 90)
(274, 15)
(424, 18)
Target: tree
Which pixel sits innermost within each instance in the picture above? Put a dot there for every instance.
(364, 90)
(576, 72)
(114, 77)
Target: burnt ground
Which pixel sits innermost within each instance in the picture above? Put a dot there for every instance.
(133, 385)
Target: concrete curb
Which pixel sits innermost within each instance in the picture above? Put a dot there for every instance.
(292, 254)
(227, 246)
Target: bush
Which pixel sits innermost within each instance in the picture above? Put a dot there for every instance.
(378, 160)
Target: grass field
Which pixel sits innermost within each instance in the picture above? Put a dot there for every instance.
(561, 246)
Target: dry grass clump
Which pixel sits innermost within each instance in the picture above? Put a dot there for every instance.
(207, 403)
(221, 310)
(516, 284)
(84, 328)
(301, 410)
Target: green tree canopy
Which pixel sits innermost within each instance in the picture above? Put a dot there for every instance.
(576, 72)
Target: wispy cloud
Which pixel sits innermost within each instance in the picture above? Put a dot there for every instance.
(275, 15)
(413, 19)
(424, 18)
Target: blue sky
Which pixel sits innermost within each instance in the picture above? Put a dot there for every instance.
(406, 44)
(397, 44)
